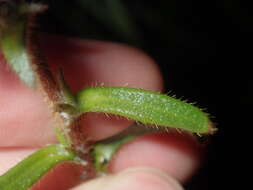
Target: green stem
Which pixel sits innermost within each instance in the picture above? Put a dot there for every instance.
(103, 151)
(30, 170)
(146, 107)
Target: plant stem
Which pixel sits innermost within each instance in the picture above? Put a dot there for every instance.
(103, 151)
(30, 170)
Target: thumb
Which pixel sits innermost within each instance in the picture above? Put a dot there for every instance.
(134, 179)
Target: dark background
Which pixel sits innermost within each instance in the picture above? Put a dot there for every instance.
(203, 49)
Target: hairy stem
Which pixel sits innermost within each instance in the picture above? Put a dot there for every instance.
(30, 170)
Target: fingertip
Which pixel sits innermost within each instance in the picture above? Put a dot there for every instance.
(134, 179)
(94, 62)
(176, 154)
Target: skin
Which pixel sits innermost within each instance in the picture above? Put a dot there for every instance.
(156, 161)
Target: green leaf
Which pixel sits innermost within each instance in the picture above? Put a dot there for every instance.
(114, 16)
(30, 170)
(13, 44)
(145, 106)
(16, 22)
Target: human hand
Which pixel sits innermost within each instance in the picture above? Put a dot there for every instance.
(25, 124)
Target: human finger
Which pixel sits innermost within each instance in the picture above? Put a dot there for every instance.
(177, 154)
(134, 179)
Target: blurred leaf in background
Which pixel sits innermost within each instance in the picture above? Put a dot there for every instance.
(137, 23)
